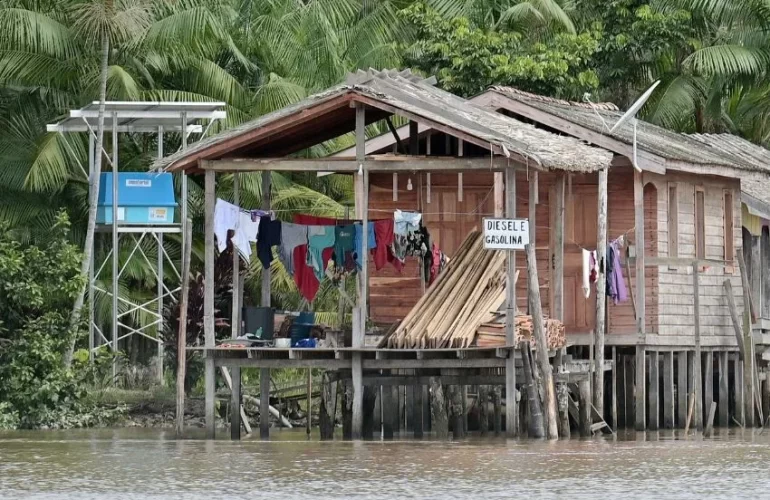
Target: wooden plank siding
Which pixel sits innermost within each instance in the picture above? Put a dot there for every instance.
(675, 315)
(669, 299)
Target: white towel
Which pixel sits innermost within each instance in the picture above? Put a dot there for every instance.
(586, 273)
(225, 218)
(245, 234)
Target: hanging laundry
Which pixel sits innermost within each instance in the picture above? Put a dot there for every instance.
(358, 241)
(319, 238)
(304, 277)
(269, 235)
(344, 248)
(245, 234)
(384, 234)
(225, 218)
(438, 263)
(292, 235)
(406, 222)
(414, 243)
(590, 271)
(616, 285)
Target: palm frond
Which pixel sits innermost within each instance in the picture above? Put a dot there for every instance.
(727, 60)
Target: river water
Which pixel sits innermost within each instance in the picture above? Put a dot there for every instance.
(149, 463)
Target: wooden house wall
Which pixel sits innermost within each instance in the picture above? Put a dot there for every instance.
(676, 299)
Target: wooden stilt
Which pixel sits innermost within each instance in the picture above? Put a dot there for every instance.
(536, 427)
(535, 307)
(181, 367)
(681, 388)
(629, 393)
(710, 419)
(697, 376)
(484, 409)
(208, 300)
(464, 396)
(438, 414)
(601, 292)
(386, 406)
(327, 409)
(584, 401)
(766, 397)
(370, 398)
(668, 390)
(723, 395)
(235, 393)
(653, 394)
(614, 388)
(347, 410)
(708, 381)
(640, 383)
(264, 403)
(511, 425)
(235, 404)
(417, 423)
(739, 395)
(455, 398)
(497, 419)
(359, 325)
(395, 411)
(690, 409)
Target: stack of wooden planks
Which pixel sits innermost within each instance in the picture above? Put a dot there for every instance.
(468, 293)
(492, 334)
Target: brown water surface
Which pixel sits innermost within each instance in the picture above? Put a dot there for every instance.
(152, 464)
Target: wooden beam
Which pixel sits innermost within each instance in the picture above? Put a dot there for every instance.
(558, 256)
(639, 242)
(208, 300)
(511, 413)
(359, 326)
(601, 293)
(377, 163)
(697, 376)
(684, 262)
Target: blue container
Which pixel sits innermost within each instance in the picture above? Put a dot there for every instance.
(143, 198)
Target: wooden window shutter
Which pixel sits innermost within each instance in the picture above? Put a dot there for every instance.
(729, 221)
(673, 221)
(700, 223)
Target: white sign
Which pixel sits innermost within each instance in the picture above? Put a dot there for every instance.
(506, 234)
(158, 214)
(142, 183)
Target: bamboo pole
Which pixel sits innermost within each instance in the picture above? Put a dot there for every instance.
(181, 363)
(533, 292)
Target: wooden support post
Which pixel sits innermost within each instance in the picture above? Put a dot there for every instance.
(264, 403)
(681, 388)
(708, 380)
(614, 388)
(395, 410)
(328, 407)
(652, 392)
(601, 295)
(558, 250)
(511, 424)
(464, 393)
(740, 408)
(484, 409)
(640, 384)
(690, 409)
(208, 301)
(438, 406)
(359, 323)
(309, 402)
(386, 405)
(536, 427)
(766, 397)
(535, 307)
(497, 409)
(584, 401)
(639, 237)
(235, 399)
(499, 194)
(668, 390)
(628, 391)
(181, 346)
(417, 408)
(697, 376)
(724, 405)
(456, 405)
(710, 420)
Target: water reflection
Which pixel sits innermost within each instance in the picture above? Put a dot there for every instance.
(142, 463)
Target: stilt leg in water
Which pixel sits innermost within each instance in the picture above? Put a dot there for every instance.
(438, 414)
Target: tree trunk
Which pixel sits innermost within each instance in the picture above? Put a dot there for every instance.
(88, 246)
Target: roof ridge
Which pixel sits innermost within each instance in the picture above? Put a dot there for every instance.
(605, 106)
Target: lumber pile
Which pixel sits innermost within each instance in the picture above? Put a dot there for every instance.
(492, 334)
(468, 293)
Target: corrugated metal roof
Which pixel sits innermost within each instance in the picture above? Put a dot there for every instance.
(651, 138)
(414, 95)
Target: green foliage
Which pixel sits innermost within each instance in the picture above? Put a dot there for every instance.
(467, 59)
(37, 287)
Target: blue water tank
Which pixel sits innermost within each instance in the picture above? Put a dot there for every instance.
(143, 198)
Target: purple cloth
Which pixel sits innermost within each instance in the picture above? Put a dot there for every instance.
(616, 285)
